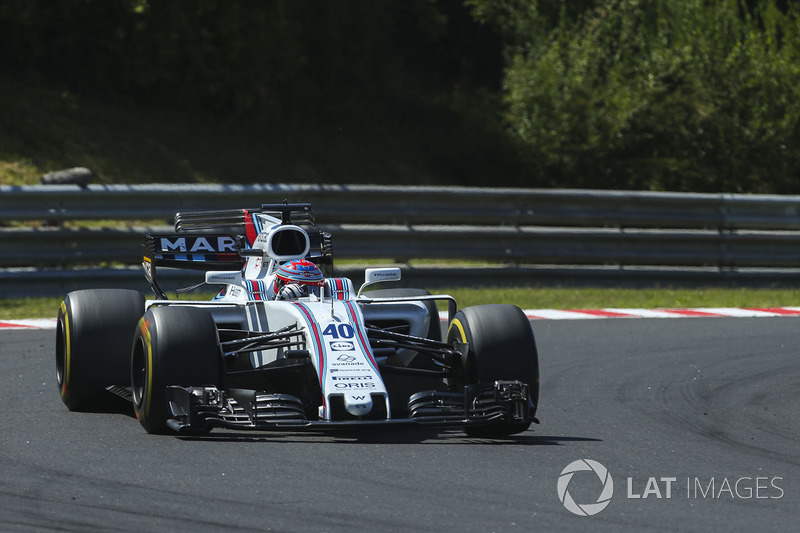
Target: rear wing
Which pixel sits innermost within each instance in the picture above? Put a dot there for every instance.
(196, 251)
(218, 240)
(199, 251)
(237, 220)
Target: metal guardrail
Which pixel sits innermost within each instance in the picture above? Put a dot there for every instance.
(368, 204)
(51, 247)
(512, 226)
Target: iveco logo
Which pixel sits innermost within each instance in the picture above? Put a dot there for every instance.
(346, 358)
(342, 346)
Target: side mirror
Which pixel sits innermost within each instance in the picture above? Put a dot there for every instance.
(216, 277)
(377, 275)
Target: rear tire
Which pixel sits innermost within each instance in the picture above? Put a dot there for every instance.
(501, 347)
(94, 330)
(172, 346)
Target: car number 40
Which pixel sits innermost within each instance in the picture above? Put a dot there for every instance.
(339, 331)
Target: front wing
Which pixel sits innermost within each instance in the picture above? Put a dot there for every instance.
(196, 410)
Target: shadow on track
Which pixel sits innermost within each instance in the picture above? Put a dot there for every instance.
(387, 436)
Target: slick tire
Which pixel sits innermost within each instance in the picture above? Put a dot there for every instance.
(172, 345)
(94, 331)
(501, 347)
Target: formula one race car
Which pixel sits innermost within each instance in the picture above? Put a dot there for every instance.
(286, 346)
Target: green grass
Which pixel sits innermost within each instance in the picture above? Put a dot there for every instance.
(530, 298)
(19, 308)
(47, 129)
(592, 298)
(123, 142)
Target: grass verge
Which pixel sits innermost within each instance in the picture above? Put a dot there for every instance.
(532, 298)
(43, 129)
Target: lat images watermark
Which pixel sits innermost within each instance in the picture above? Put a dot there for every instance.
(585, 509)
(657, 487)
(712, 488)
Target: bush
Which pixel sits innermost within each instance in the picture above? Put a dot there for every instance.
(662, 95)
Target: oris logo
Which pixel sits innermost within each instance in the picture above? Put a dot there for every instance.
(357, 385)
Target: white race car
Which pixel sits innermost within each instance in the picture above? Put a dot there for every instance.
(285, 345)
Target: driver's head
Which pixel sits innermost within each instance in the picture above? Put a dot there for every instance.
(298, 272)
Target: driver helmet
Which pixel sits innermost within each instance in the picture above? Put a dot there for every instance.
(298, 272)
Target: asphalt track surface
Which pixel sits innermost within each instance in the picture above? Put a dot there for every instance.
(712, 402)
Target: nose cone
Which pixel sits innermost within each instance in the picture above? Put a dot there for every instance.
(358, 404)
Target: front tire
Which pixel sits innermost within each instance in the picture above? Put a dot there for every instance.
(94, 329)
(501, 347)
(172, 346)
